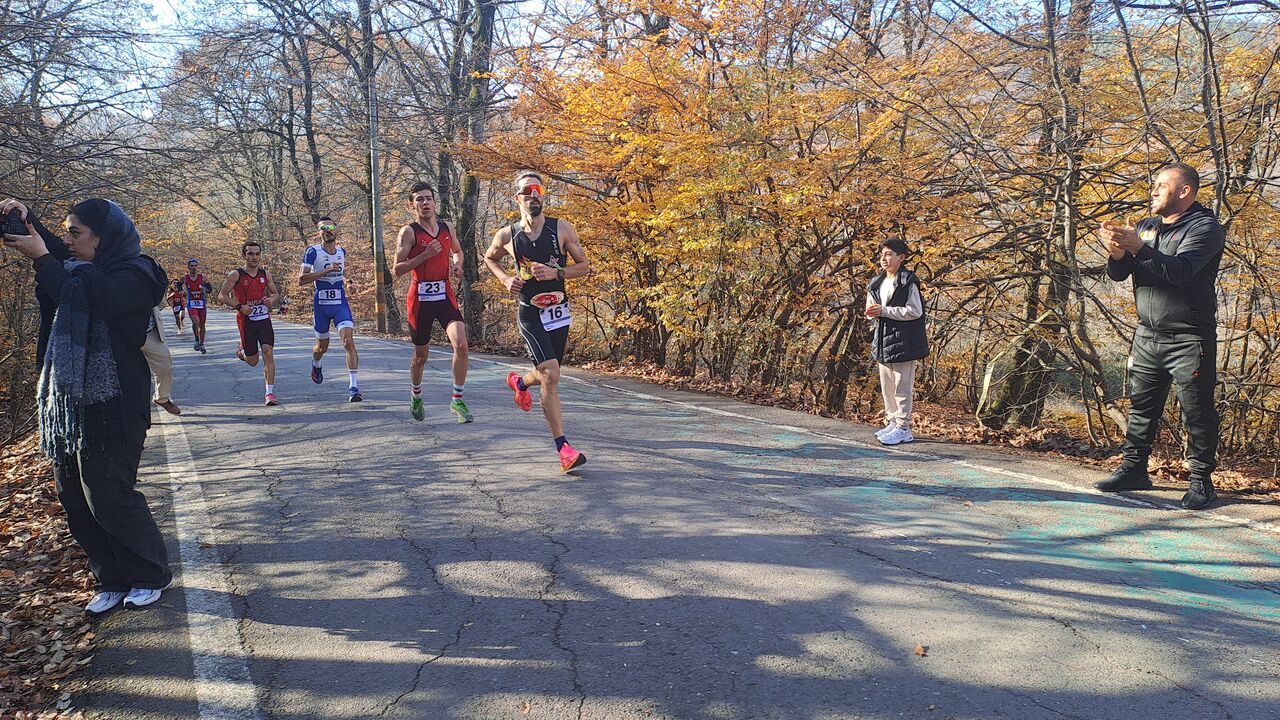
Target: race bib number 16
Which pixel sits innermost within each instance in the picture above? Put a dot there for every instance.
(556, 316)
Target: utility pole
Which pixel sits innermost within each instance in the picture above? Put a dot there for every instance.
(380, 275)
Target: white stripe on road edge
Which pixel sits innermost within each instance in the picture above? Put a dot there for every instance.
(1059, 484)
(1028, 477)
(224, 690)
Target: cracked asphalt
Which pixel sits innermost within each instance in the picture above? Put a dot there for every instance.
(712, 560)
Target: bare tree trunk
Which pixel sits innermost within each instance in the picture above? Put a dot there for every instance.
(477, 115)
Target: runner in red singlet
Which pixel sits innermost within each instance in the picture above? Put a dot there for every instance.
(429, 249)
(176, 301)
(252, 292)
(197, 290)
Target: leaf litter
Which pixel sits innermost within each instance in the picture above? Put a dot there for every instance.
(46, 640)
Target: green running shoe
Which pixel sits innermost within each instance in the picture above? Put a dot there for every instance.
(459, 408)
(415, 408)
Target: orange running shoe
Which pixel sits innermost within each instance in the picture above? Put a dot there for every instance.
(524, 399)
(570, 458)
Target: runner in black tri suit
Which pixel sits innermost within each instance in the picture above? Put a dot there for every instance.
(541, 247)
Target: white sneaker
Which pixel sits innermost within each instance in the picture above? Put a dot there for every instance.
(896, 436)
(103, 601)
(884, 431)
(141, 597)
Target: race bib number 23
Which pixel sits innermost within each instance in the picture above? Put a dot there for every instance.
(556, 316)
(431, 291)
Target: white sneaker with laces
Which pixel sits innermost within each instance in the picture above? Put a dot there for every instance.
(896, 436)
(141, 597)
(884, 431)
(103, 601)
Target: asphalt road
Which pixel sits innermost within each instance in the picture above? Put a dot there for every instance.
(712, 560)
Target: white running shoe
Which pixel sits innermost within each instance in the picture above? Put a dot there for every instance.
(103, 601)
(896, 436)
(884, 431)
(141, 597)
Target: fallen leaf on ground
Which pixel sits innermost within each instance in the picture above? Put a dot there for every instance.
(44, 637)
(921, 650)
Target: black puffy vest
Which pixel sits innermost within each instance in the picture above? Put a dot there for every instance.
(898, 341)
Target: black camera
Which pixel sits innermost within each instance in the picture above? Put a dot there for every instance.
(11, 223)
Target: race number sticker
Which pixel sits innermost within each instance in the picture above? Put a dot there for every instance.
(331, 296)
(556, 316)
(196, 304)
(259, 312)
(431, 291)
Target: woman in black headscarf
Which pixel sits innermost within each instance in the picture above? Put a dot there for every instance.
(96, 292)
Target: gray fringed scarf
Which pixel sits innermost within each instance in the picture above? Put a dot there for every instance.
(79, 369)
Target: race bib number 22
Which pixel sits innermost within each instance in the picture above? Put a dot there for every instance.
(259, 312)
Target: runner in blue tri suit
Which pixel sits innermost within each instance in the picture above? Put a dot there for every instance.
(323, 264)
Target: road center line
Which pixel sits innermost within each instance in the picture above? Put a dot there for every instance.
(224, 689)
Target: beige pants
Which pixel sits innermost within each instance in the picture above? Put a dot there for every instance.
(896, 383)
(161, 363)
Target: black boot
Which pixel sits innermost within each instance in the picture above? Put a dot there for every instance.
(1125, 477)
(1200, 494)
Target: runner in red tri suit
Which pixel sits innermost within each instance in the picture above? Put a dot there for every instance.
(252, 292)
(429, 249)
(176, 298)
(197, 290)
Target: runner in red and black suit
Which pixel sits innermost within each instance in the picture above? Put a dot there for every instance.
(252, 292)
(197, 290)
(541, 247)
(430, 250)
(177, 300)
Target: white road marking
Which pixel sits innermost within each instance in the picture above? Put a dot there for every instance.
(1028, 477)
(224, 689)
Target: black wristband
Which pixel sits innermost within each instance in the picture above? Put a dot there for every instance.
(239, 305)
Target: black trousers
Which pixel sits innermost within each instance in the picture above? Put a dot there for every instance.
(1190, 364)
(109, 518)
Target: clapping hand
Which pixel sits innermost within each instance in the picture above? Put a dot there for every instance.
(1119, 239)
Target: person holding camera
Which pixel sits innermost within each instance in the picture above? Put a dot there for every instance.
(96, 292)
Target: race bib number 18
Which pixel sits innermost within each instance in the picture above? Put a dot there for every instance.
(259, 312)
(329, 297)
(556, 316)
(431, 291)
